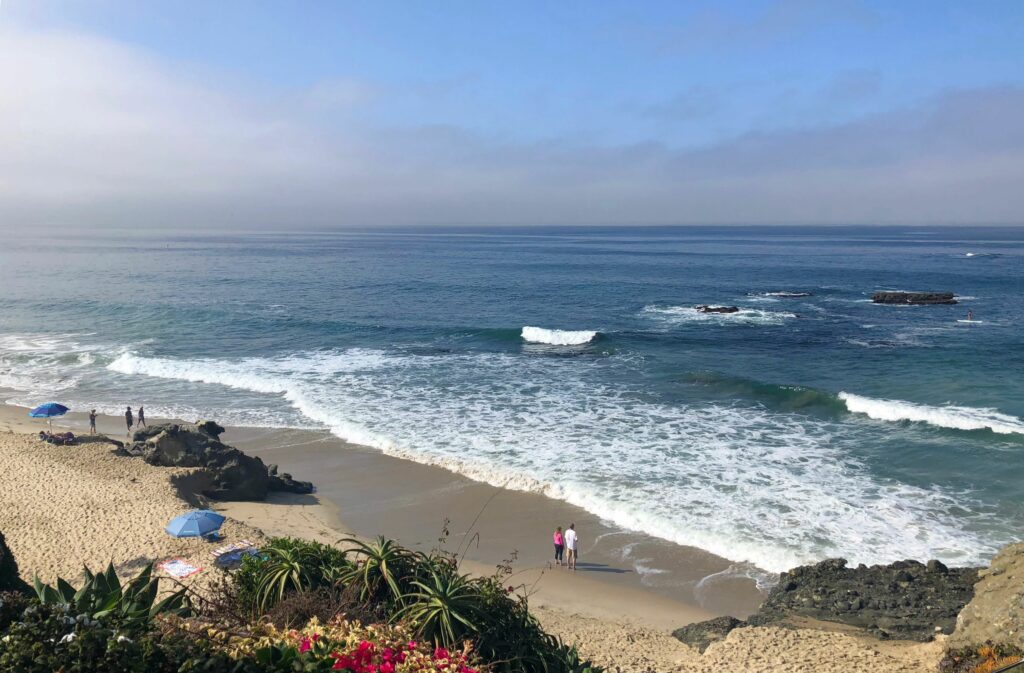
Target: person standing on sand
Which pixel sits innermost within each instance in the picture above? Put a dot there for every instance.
(572, 541)
(129, 420)
(559, 545)
(142, 417)
(92, 422)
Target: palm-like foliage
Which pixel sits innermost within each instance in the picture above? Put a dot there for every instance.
(103, 596)
(382, 567)
(283, 570)
(445, 607)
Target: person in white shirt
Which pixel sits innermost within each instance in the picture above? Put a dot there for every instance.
(571, 544)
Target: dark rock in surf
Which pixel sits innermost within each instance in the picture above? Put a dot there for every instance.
(704, 308)
(234, 475)
(914, 298)
(905, 600)
(702, 634)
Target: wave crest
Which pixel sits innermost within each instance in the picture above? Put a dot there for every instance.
(557, 337)
(953, 417)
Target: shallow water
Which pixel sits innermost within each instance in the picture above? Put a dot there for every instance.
(795, 429)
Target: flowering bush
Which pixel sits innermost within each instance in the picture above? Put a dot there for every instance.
(349, 646)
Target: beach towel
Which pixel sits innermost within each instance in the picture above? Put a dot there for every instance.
(177, 567)
(241, 545)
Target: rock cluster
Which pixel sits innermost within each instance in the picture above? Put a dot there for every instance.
(996, 613)
(234, 474)
(906, 600)
(913, 298)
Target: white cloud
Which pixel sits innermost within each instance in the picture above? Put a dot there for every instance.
(95, 132)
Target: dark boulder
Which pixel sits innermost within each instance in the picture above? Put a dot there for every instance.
(905, 600)
(916, 298)
(234, 475)
(704, 308)
(701, 634)
(10, 580)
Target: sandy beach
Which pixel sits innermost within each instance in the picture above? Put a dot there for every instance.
(63, 507)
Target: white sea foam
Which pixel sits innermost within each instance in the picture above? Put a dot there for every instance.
(557, 337)
(949, 416)
(675, 315)
(773, 490)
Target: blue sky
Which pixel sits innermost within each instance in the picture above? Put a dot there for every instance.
(606, 100)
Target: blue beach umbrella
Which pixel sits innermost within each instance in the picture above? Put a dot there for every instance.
(48, 411)
(195, 523)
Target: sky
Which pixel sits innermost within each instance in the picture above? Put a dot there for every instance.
(284, 114)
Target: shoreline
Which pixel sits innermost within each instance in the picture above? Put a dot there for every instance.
(363, 492)
(612, 621)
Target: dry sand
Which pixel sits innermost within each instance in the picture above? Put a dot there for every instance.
(61, 507)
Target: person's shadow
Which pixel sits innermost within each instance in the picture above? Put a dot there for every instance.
(600, 568)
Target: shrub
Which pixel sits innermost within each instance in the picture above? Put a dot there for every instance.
(132, 606)
(980, 659)
(285, 565)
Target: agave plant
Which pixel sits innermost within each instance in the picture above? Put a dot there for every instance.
(445, 607)
(283, 570)
(380, 569)
(102, 595)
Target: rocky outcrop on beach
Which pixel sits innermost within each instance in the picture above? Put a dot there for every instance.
(10, 580)
(996, 612)
(916, 298)
(704, 308)
(701, 634)
(905, 600)
(234, 475)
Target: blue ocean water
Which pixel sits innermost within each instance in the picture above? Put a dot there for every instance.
(796, 429)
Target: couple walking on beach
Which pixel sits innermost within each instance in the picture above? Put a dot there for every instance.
(131, 421)
(566, 542)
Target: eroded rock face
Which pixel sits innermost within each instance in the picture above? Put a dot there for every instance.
(913, 298)
(700, 635)
(235, 475)
(996, 613)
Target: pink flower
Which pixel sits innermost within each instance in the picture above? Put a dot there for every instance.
(387, 667)
(441, 653)
(307, 643)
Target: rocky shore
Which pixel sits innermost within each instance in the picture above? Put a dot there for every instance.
(232, 474)
(905, 600)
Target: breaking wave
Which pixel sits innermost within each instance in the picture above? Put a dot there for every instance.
(953, 417)
(557, 337)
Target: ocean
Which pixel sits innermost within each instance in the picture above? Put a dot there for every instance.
(571, 362)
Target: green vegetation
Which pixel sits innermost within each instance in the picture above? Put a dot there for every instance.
(296, 606)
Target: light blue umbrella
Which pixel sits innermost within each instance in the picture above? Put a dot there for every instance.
(195, 523)
(48, 411)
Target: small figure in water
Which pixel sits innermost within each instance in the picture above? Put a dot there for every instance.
(970, 314)
(142, 417)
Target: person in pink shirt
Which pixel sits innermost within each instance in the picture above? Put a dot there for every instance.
(559, 545)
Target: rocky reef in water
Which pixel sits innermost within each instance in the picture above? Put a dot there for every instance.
(233, 474)
(914, 298)
(905, 600)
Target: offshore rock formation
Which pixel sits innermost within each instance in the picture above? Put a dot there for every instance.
(704, 308)
(904, 600)
(996, 613)
(915, 298)
(234, 475)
